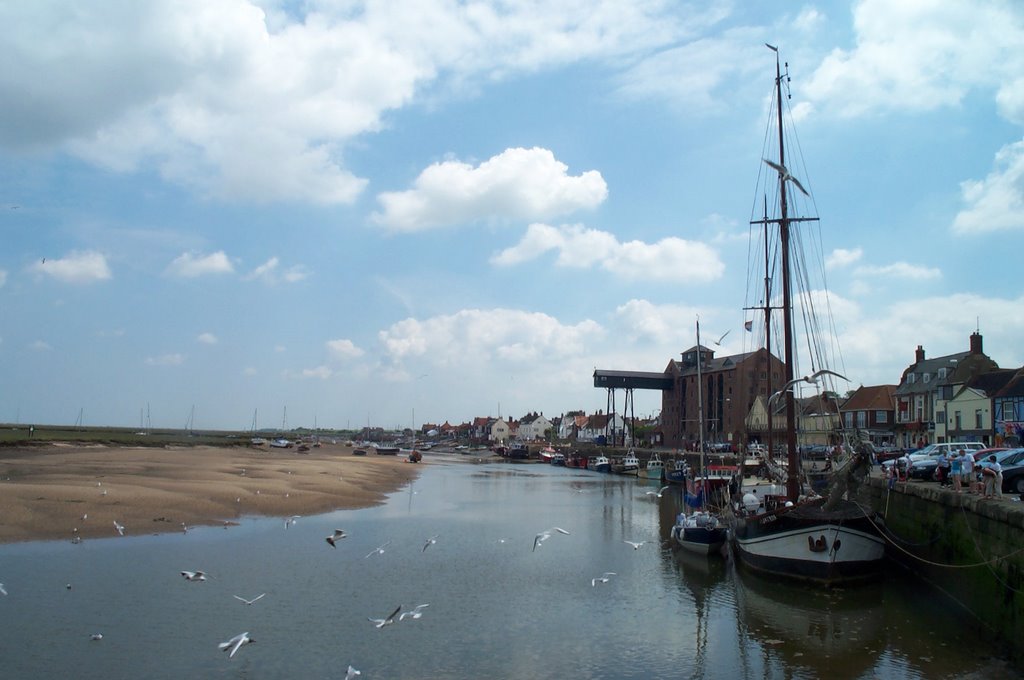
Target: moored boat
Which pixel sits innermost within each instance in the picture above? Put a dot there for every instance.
(654, 469)
(700, 532)
(628, 465)
(801, 535)
(558, 460)
(599, 464)
(385, 450)
(676, 471)
(547, 454)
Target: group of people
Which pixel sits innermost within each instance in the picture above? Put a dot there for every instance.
(963, 473)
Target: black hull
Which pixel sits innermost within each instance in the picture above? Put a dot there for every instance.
(808, 543)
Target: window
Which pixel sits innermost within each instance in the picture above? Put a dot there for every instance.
(977, 419)
(881, 417)
(942, 372)
(926, 377)
(959, 423)
(862, 419)
(911, 378)
(849, 419)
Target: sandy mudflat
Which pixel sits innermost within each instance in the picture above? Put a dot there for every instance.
(45, 491)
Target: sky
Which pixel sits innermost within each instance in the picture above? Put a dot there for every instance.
(393, 213)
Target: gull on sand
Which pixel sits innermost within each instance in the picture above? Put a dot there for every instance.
(235, 643)
(249, 601)
(380, 623)
(336, 536)
(546, 534)
(603, 578)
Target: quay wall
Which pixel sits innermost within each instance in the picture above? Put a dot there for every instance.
(969, 547)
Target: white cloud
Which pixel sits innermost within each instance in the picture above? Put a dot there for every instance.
(190, 265)
(842, 257)
(249, 371)
(516, 185)
(77, 267)
(40, 345)
(344, 349)
(166, 360)
(995, 203)
(249, 102)
(3, 277)
(473, 337)
(899, 270)
(920, 56)
(207, 338)
(319, 373)
(270, 273)
(670, 259)
(644, 321)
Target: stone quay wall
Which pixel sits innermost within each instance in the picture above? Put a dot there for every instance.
(969, 547)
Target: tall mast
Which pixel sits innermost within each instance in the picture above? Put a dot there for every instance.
(768, 337)
(793, 474)
(700, 401)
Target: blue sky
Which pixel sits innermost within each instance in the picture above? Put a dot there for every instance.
(397, 212)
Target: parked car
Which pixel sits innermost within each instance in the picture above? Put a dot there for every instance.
(1013, 479)
(985, 453)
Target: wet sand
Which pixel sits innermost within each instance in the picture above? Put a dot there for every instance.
(46, 491)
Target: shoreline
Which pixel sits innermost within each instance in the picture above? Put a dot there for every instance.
(49, 491)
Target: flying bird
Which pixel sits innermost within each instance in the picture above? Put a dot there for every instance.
(784, 174)
(194, 575)
(351, 673)
(119, 528)
(657, 493)
(636, 545)
(811, 379)
(430, 541)
(416, 613)
(379, 550)
(336, 536)
(387, 621)
(96, 636)
(249, 602)
(603, 578)
(291, 520)
(719, 341)
(2, 590)
(235, 643)
(546, 534)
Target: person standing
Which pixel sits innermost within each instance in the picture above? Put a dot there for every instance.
(955, 467)
(967, 470)
(990, 473)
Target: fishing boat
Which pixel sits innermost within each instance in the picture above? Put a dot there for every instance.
(599, 464)
(386, 450)
(558, 460)
(830, 540)
(654, 469)
(547, 455)
(677, 472)
(628, 465)
(698, 529)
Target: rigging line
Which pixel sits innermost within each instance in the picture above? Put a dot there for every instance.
(883, 531)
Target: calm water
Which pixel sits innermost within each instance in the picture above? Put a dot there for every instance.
(496, 609)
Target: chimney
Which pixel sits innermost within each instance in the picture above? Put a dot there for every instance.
(976, 343)
(919, 354)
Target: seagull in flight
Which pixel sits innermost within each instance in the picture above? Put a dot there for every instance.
(351, 673)
(249, 602)
(291, 520)
(430, 541)
(378, 551)
(2, 590)
(96, 636)
(380, 623)
(603, 578)
(194, 575)
(719, 341)
(119, 528)
(336, 536)
(415, 613)
(657, 493)
(235, 643)
(811, 379)
(636, 545)
(784, 174)
(546, 534)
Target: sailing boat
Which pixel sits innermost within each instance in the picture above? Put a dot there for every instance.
(699, 531)
(829, 540)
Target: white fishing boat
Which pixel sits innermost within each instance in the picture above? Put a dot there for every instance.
(654, 469)
(801, 535)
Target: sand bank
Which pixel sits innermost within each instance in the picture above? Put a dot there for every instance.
(45, 492)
